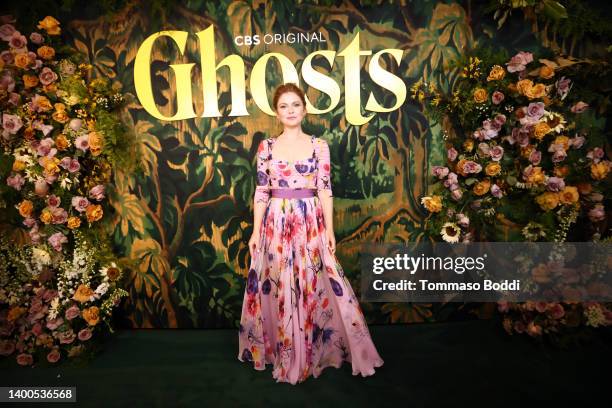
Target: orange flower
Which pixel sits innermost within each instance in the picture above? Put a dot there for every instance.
(524, 85)
(62, 142)
(493, 169)
(83, 294)
(15, 313)
(18, 165)
(50, 25)
(46, 216)
(540, 130)
(527, 150)
(60, 116)
(497, 73)
(95, 143)
(546, 72)
(50, 165)
(46, 52)
(91, 315)
(25, 208)
(22, 60)
(563, 141)
(561, 171)
(480, 95)
(482, 187)
(433, 203)
(30, 81)
(468, 145)
(536, 91)
(74, 222)
(548, 200)
(569, 195)
(600, 170)
(94, 212)
(584, 188)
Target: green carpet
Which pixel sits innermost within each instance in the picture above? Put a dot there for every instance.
(469, 363)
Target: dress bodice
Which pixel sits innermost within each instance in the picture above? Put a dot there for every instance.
(310, 173)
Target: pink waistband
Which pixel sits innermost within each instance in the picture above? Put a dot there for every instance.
(293, 192)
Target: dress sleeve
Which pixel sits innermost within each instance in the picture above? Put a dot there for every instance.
(262, 189)
(324, 167)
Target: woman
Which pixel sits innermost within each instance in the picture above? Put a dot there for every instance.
(299, 311)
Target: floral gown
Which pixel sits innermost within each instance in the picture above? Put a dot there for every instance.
(299, 312)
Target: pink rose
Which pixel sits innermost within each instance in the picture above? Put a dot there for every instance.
(75, 124)
(53, 356)
(46, 147)
(80, 203)
(66, 337)
(463, 220)
(576, 142)
(535, 157)
(579, 107)
(472, 167)
(56, 240)
(596, 154)
(541, 306)
(37, 329)
(14, 99)
(97, 192)
(451, 180)
(456, 194)
(563, 86)
(82, 142)
(17, 40)
(29, 222)
(440, 172)
(54, 323)
(534, 329)
(6, 32)
(497, 97)
(7, 57)
(451, 154)
(37, 38)
(72, 312)
(16, 181)
(85, 335)
(597, 213)
(11, 123)
(519, 61)
(496, 152)
(496, 191)
(25, 359)
(7, 82)
(53, 201)
(60, 216)
(555, 184)
(535, 110)
(47, 76)
(39, 125)
(556, 311)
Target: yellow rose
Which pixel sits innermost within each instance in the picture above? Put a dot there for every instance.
(561, 171)
(527, 150)
(83, 294)
(60, 116)
(94, 212)
(74, 222)
(546, 72)
(563, 141)
(524, 85)
(46, 52)
(25, 208)
(30, 81)
(548, 200)
(22, 60)
(497, 73)
(91, 315)
(468, 145)
(18, 165)
(600, 170)
(44, 104)
(62, 142)
(50, 25)
(480, 95)
(493, 169)
(46, 216)
(536, 91)
(433, 203)
(50, 164)
(60, 107)
(569, 195)
(536, 176)
(540, 130)
(95, 143)
(482, 187)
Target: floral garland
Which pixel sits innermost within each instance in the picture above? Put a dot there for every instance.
(60, 139)
(520, 158)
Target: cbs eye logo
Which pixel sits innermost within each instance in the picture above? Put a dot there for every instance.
(247, 40)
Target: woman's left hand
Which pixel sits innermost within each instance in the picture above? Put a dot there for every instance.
(331, 241)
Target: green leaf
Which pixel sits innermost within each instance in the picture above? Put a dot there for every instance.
(554, 9)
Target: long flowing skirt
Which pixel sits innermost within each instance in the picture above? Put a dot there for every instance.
(299, 312)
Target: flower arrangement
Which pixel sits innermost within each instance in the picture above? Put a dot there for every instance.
(60, 139)
(524, 163)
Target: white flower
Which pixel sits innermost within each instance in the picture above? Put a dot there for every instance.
(554, 117)
(101, 289)
(41, 257)
(450, 232)
(66, 183)
(54, 306)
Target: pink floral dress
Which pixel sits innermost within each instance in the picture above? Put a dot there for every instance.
(299, 312)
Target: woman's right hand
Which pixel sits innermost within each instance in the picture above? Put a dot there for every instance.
(253, 244)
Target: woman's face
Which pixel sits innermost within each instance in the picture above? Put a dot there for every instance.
(290, 109)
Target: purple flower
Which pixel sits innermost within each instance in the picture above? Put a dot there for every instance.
(497, 97)
(555, 184)
(252, 282)
(519, 61)
(80, 203)
(563, 86)
(17, 40)
(47, 76)
(559, 155)
(16, 181)
(596, 154)
(82, 142)
(336, 287)
(576, 142)
(451, 154)
(29, 222)
(496, 191)
(6, 32)
(11, 123)
(450, 180)
(579, 107)
(535, 157)
(521, 136)
(597, 213)
(535, 110)
(440, 172)
(53, 201)
(45, 148)
(497, 153)
(97, 192)
(56, 240)
(37, 38)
